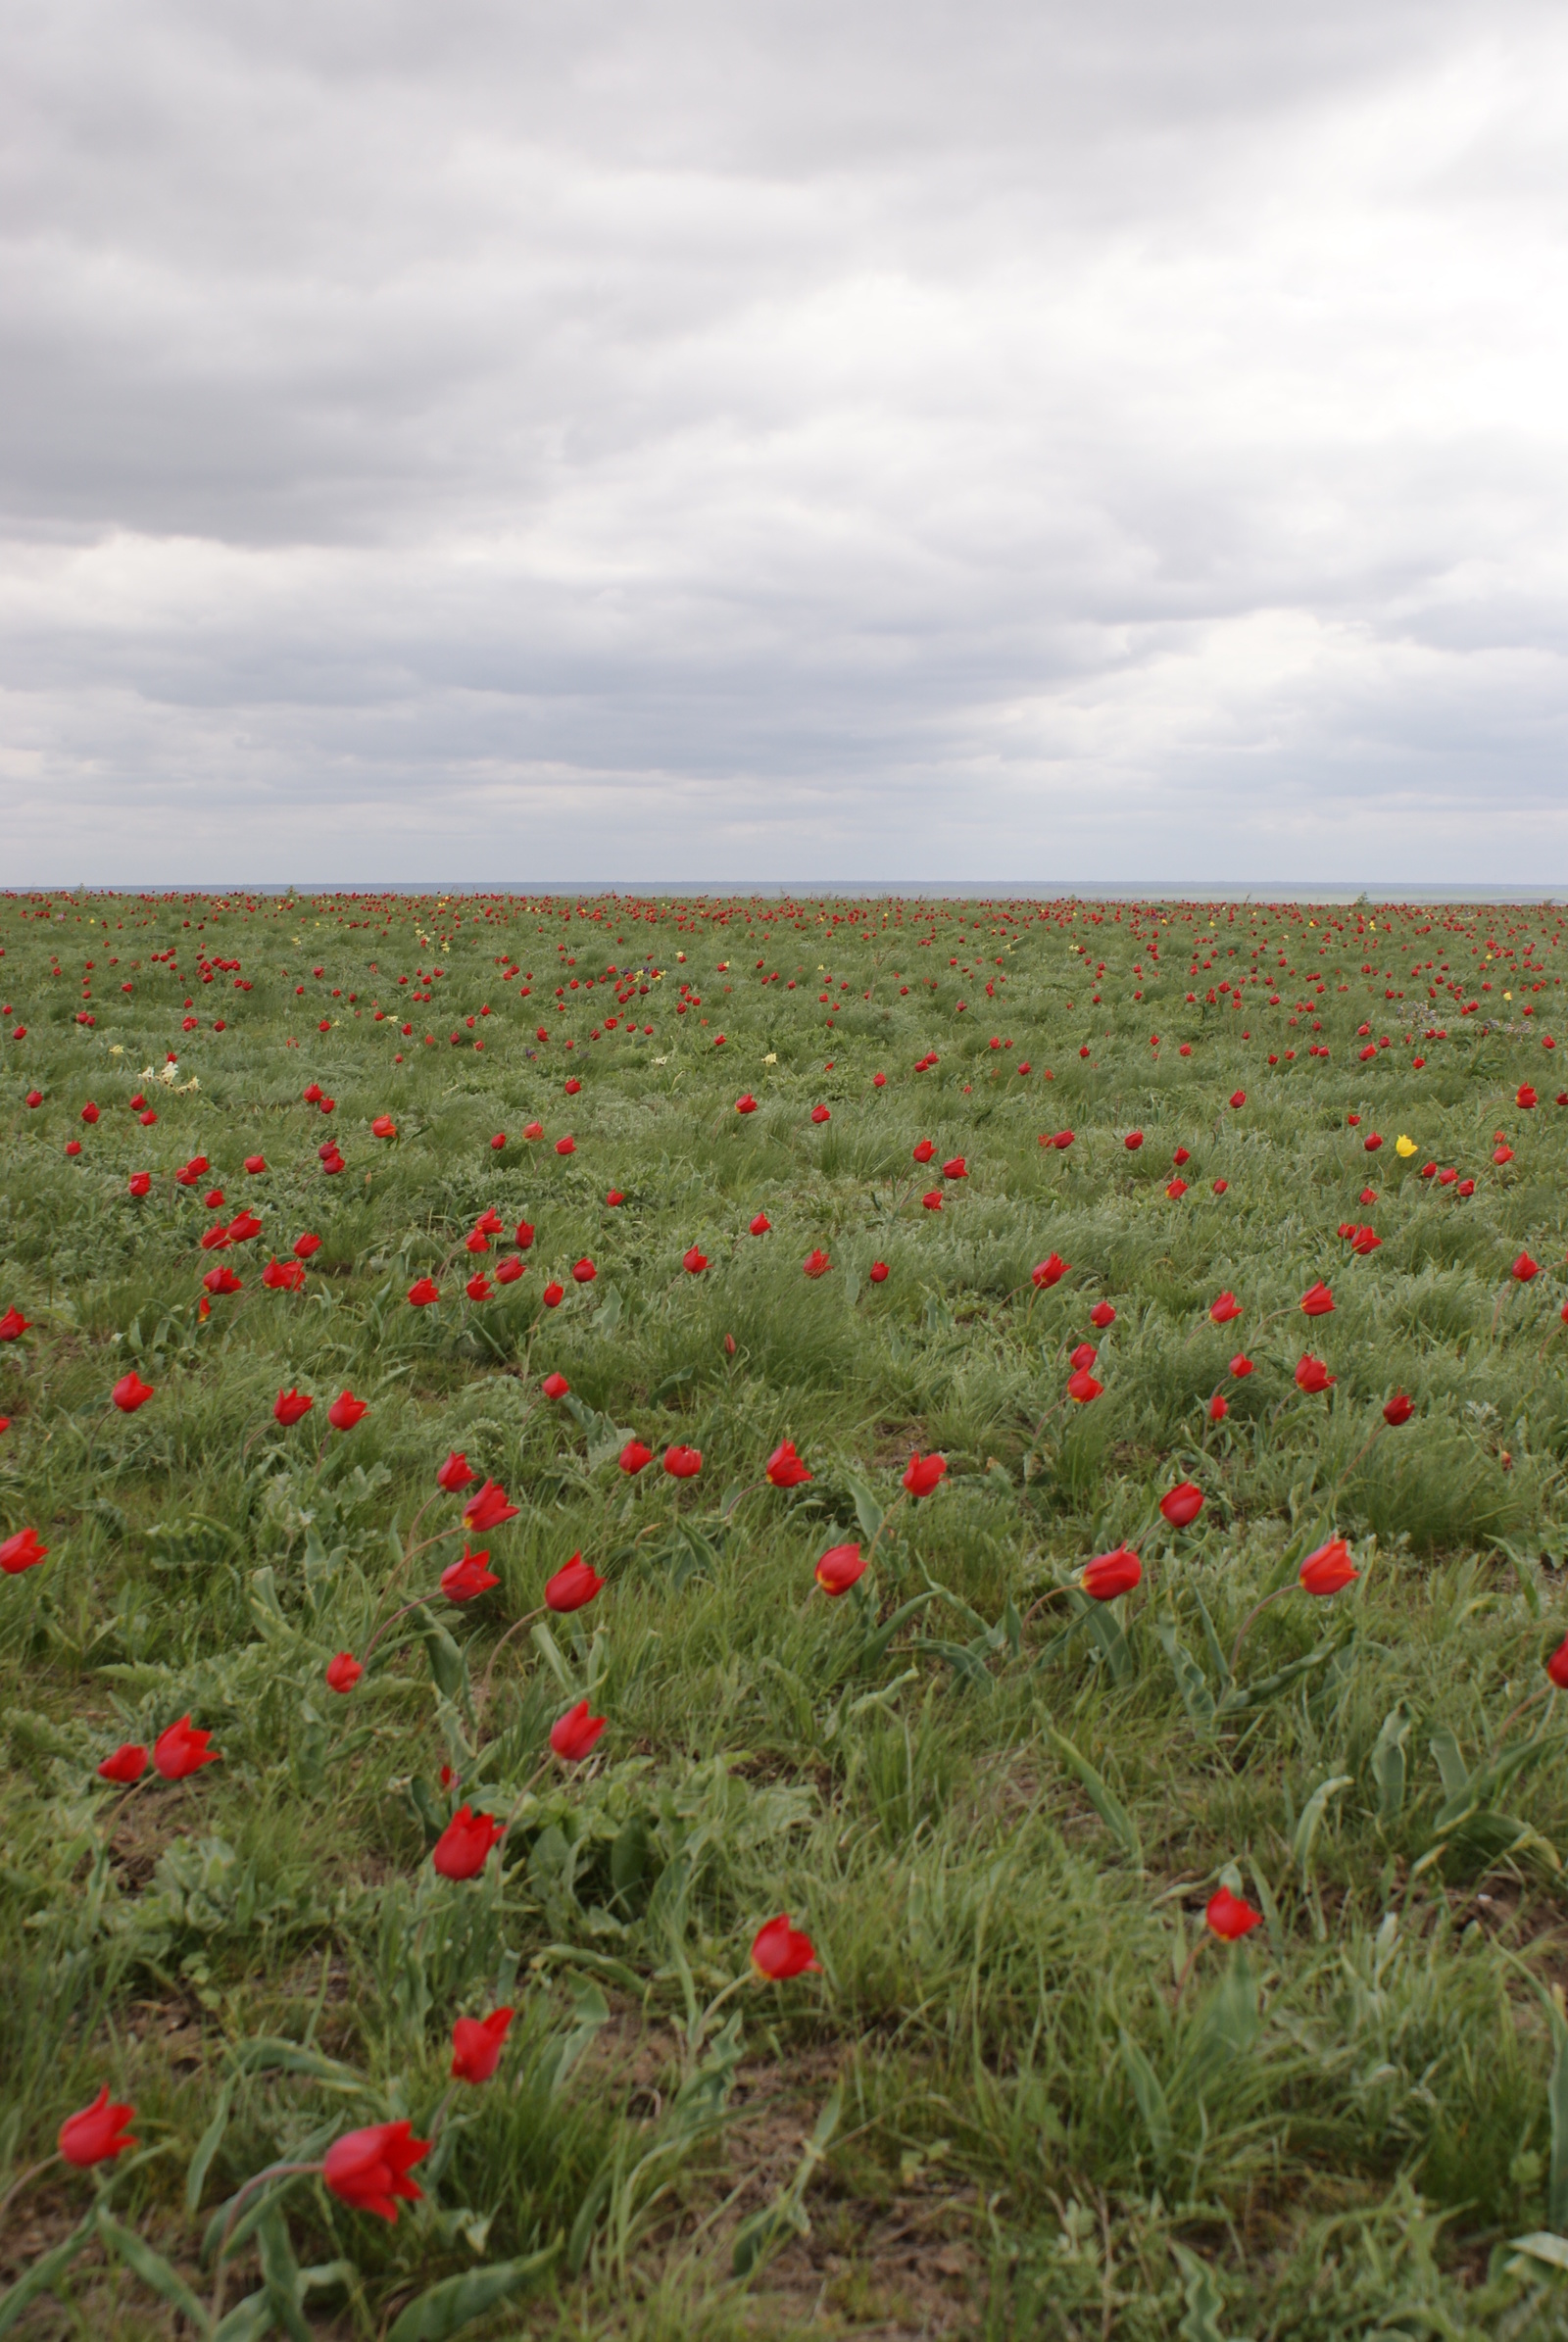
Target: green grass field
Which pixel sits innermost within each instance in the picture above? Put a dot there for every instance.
(1026, 2089)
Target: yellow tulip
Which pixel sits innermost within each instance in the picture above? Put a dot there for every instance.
(1404, 1145)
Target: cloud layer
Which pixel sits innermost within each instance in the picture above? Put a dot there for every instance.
(1000, 441)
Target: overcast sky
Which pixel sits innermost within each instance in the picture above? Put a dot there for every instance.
(1010, 439)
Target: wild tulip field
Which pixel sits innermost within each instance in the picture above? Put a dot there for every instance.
(762, 1616)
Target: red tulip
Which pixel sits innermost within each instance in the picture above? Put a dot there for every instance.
(13, 1326)
(217, 1240)
(573, 1735)
(1364, 1241)
(524, 1233)
(1328, 1570)
(634, 1456)
(283, 1276)
(464, 1846)
(572, 1086)
(566, 1145)
(462, 1580)
(1218, 1407)
(1240, 1365)
(21, 1552)
(179, 1751)
(780, 1951)
(1558, 1666)
(555, 1385)
(583, 1272)
(1082, 1387)
(1398, 1410)
(924, 1150)
(535, 1130)
(476, 2046)
(454, 1474)
(1101, 1315)
(1225, 1308)
(370, 2169)
(1182, 1504)
(424, 1291)
(553, 1296)
(89, 1112)
(745, 1104)
(573, 1586)
(1175, 1189)
(1238, 1097)
(694, 1261)
(1372, 1143)
(489, 1509)
(1524, 1268)
(290, 1407)
(922, 1472)
(1317, 1300)
(221, 1280)
(508, 1271)
(130, 1393)
(1111, 1573)
(1229, 1918)
(1048, 1272)
(312, 1095)
(838, 1568)
(306, 1245)
(761, 1225)
(479, 1287)
(1084, 1356)
(346, 1411)
(958, 1168)
(817, 1263)
(821, 1113)
(614, 1197)
(128, 1764)
(1312, 1376)
(878, 1272)
(343, 1672)
(932, 1199)
(784, 1467)
(683, 1463)
(139, 1181)
(98, 2133)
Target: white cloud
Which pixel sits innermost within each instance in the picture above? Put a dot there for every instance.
(499, 443)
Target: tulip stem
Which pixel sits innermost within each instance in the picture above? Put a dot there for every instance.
(17, 2186)
(1188, 1965)
(274, 2171)
(442, 2111)
(515, 1628)
(1514, 1713)
(1257, 1609)
(882, 1524)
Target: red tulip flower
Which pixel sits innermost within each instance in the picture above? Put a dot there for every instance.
(694, 1261)
(1558, 1666)
(13, 1326)
(383, 1127)
(423, 1292)
(127, 1763)
(761, 1225)
(816, 1262)
(346, 1411)
(1048, 1272)
(566, 1145)
(573, 1735)
(1398, 1409)
(821, 1113)
(553, 1296)
(343, 1672)
(290, 1407)
(635, 1457)
(583, 1272)
(489, 1508)
(462, 1580)
(464, 1846)
(745, 1104)
(1328, 1570)
(878, 1272)
(1317, 1300)
(1524, 1268)
(221, 1280)
(130, 1393)
(1240, 1365)
(525, 1234)
(958, 1168)
(573, 1586)
(1228, 1917)
(1133, 1141)
(922, 1473)
(179, 1751)
(1182, 1504)
(1312, 1376)
(509, 1270)
(1082, 1387)
(555, 1385)
(1218, 1407)
(98, 2133)
(839, 1569)
(1238, 1097)
(21, 1552)
(476, 2046)
(479, 1287)
(572, 1086)
(1084, 1356)
(784, 1467)
(683, 1463)
(1101, 1315)
(1111, 1573)
(780, 1951)
(454, 1474)
(1225, 1308)
(306, 1245)
(932, 1199)
(370, 2169)
(283, 1276)
(140, 1182)
(924, 1150)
